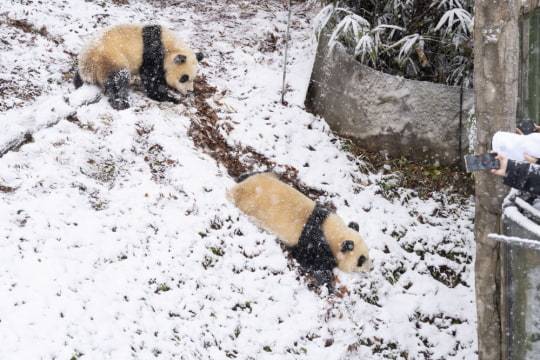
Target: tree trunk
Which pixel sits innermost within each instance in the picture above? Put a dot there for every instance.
(496, 66)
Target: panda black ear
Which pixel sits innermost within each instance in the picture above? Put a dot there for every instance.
(347, 245)
(354, 225)
(199, 56)
(180, 59)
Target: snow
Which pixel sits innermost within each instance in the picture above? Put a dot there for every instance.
(512, 240)
(520, 215)
(85, 95)
(47, 111)
(117, 238)
(529, 209)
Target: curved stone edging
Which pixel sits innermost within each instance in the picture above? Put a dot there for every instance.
(415, 119)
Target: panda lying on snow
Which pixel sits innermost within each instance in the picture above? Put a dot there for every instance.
(161, 59)
(319, 240)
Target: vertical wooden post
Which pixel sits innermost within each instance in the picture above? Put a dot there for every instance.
(496, 68)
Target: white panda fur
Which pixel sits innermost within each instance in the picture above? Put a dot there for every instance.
(284, 211)
(153, 52)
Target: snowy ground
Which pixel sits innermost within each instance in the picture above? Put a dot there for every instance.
(117, 240)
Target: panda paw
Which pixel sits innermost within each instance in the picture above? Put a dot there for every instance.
(173, 100)
(119, 103)
(163, 96)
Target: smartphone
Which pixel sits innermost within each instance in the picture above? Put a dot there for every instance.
(526, 126)
(481, 162)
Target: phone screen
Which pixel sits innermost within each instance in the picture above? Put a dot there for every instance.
(481, 162)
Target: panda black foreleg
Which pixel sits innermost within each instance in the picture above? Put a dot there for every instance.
(154, 85)
(117, 89)
(158, 92)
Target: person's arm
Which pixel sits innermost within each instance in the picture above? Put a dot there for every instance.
(531, 159)
(519, 175)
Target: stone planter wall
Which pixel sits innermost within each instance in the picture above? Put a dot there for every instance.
(381, 112)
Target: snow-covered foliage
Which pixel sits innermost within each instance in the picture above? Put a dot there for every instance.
(117, 240)
(414, 38)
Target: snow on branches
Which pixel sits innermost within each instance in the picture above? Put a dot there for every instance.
(413, 38)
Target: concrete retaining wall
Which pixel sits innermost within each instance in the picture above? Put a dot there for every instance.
(416, 119)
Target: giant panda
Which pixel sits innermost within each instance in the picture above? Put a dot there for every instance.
(319, 239)
(151, 51)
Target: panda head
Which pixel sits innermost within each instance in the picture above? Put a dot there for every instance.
(349, 249)
(181, 69)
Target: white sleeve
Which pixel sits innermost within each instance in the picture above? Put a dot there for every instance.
(513, 146)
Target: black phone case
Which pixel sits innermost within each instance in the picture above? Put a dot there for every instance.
(526, 126)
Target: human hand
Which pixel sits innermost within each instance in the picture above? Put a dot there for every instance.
(536, 129)
(501, 171)
(530, 158)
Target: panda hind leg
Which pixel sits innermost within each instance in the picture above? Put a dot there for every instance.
(77, 80)
(117, 89)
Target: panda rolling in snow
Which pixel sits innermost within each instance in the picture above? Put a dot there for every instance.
(153, 52)
(319, 240)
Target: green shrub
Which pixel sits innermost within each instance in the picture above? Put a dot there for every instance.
(419, 39)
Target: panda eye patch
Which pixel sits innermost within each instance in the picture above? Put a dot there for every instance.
(361, 260)
(347, 245)
(184, 78)
(180, 59)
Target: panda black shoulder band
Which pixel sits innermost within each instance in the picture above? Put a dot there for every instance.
(312, 250)
(152, 70)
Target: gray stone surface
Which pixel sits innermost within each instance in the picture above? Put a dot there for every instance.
(416, 119)
(521, 281)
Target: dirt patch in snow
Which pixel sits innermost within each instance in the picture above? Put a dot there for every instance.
(13, 89)
(270, 43)
(424, 179)
(207, 134)
(27, 27)
(158, 162)
(23, 71)
(7, 189)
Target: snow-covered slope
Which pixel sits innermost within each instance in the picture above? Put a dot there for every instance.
(117, 240)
